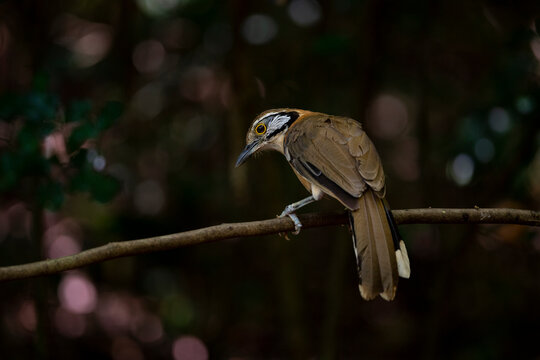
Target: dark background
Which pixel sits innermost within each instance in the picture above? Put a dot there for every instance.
(447, 90)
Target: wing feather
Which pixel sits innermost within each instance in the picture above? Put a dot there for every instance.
(340, 150)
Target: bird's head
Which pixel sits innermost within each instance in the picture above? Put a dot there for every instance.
(268, 130)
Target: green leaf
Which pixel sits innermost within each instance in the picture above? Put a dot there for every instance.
(51, 195)
(78, 110)
(109, 114)
(29, 142)
(80, 134)
(104, 187)
(80, 182)
(78, 160)
(40, 106)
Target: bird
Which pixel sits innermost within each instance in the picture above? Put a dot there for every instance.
(333, 156)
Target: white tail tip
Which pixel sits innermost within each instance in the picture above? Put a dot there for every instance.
(402, 258)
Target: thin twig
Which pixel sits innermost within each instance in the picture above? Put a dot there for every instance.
(264, 227)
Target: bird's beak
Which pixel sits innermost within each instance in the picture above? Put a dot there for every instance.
(246, 153)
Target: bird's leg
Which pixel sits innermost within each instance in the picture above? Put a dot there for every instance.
(291, 209)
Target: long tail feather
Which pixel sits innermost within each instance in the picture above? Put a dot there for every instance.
(374, 235)
(366, 254)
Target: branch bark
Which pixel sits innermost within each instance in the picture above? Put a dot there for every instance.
(264, 227)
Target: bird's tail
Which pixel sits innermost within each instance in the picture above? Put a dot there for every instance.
(381, 254)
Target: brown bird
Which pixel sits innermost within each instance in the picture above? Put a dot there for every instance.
(332, 155)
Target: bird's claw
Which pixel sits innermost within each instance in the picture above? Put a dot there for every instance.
(297, 224)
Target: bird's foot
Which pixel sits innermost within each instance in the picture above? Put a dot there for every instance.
(289, 211)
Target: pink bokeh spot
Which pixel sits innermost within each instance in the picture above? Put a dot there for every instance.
(77, 294)
(148, 56)
(148, 328)
(116, 312)
(20, 220)
(189, 348)
(387, 116)
(63, 245)
(27, 315)
(54, 144)
(69, 324)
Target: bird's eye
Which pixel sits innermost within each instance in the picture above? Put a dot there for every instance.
(260, 129)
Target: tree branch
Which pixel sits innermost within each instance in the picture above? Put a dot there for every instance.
(264, 227)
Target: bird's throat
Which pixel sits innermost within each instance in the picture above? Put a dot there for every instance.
(276, 143)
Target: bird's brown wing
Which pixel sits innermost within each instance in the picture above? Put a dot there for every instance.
(336, 154)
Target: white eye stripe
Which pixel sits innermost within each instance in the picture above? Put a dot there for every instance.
(278, 122)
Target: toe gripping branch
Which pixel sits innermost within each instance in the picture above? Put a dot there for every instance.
(291, 209)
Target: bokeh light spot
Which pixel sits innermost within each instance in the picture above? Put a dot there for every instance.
(462, 169)
(63, 245)
(114, 313)
(189, 348)
(387, 116)
(148, 101)
(199, 84)
(99, 163)
(69, 324)
(178, 311)
(77, 294)
(27, 315)
(535, 47)
(499, 120)
(92, 47)
(157, 8)
(149, 197)
(524, 105)
(19, 220)
(147, 328)
(304, 12)
(148, 56)
(62, 237)
(54, 144)
(484, 150)
(89, 41)
(259, 29)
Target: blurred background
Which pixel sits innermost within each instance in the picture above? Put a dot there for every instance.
(123, 119)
